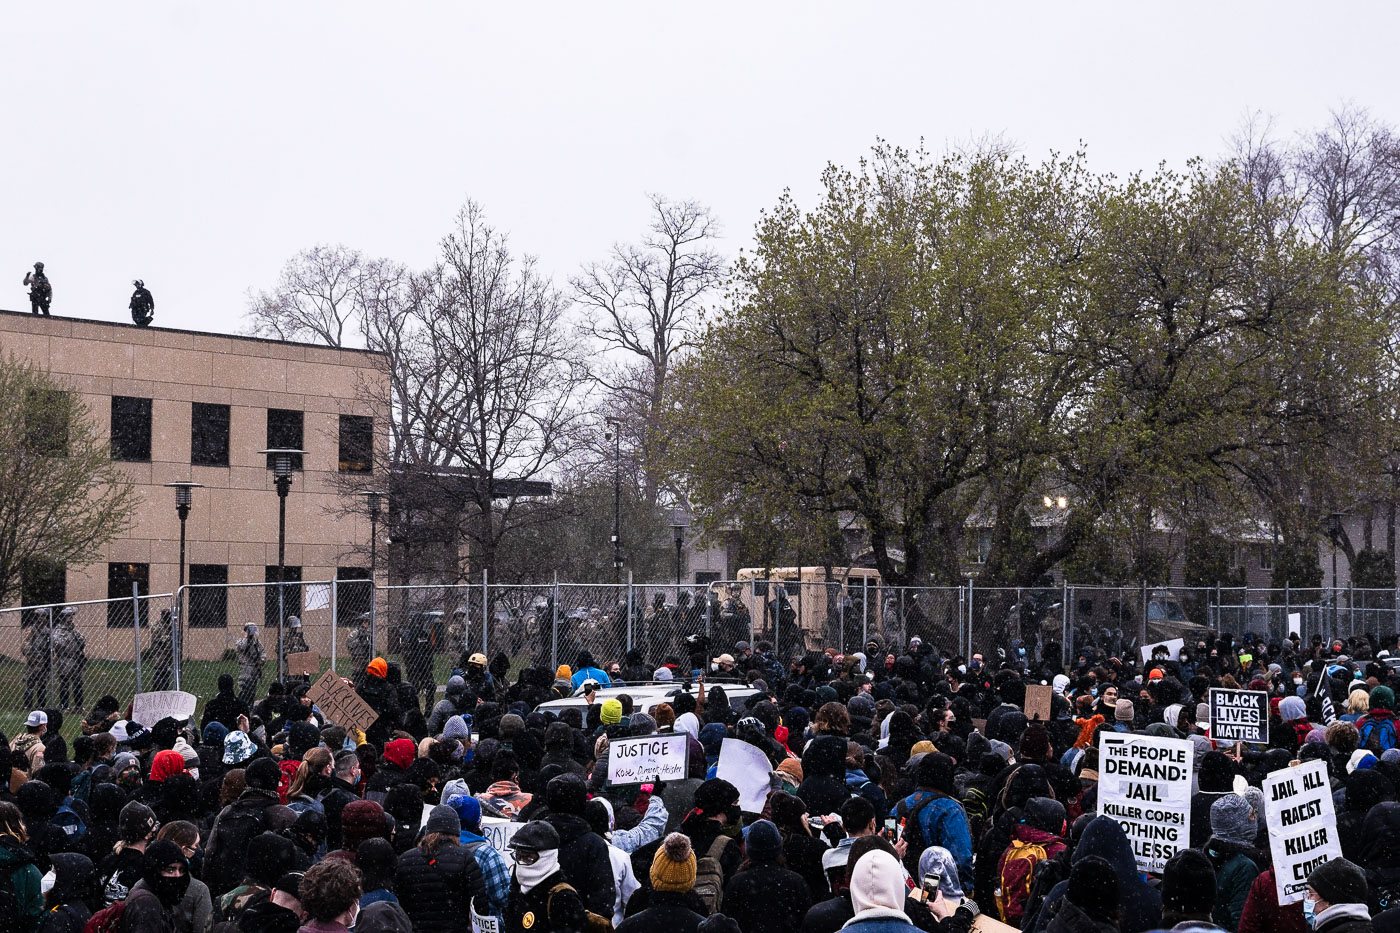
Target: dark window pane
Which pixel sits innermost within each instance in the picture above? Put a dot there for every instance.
(119, 580)
(356, 444)
(291, 595)
(207, 597)
(42, 583)
(352, 593)
(284, 431)
(131, 428)
(209, 434)
(46, 417)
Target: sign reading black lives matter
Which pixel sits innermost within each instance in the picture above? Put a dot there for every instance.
(1239, 715)
(1302, 825)
(1145, 784)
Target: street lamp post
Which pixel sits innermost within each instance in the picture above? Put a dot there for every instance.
(375, 499)
(184, 498)
(616, 432)
(678, 527)
(282, 476)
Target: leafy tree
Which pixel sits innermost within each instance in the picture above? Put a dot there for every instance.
(63, 499)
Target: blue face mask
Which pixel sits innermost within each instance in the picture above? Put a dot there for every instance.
(1309, 911)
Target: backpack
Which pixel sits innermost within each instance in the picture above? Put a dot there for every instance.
(106, 920)
(1382, 730)
(913, 832)
(228, 846)
(709, 876)
(1014, 878)
(596, 923)
(70, 821)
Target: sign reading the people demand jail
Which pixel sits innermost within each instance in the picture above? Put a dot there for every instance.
(1302, 826)
(340, 703)
(1239, 715)
(150, 708)
(1145, 784)
(647, 758)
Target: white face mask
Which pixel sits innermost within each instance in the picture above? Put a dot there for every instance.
(531, 875)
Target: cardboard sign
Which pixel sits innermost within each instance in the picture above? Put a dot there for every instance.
(304, 662)
(1239, 715)
(498, 833)
(150, 708)
(1038, 701)
(746, 767)
(1302, 825)
(985, 924)
(1173, 646)
(1145, 784)
(980, 725)
(340, 703)
(647, 758)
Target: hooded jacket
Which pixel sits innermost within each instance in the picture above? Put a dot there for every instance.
(1141, 904)
(583, 857)
(18, 862)
(823, 787)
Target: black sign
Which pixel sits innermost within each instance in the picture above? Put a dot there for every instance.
(1239, 715)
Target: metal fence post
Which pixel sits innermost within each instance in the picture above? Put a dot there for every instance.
(630, 610)
(485, 615)
(1351, 603)
(554, 625)
(50, 687)
(970, 598)
(176, 648)
(135, 628)
(1288, 611)
(864, 612)
(335, 618)
(1064, 623)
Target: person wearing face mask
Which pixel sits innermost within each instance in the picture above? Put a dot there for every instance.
(715, 818)
(150, 908)
(540, 900)
(330, 896)
(1336, 899)
(75, 895)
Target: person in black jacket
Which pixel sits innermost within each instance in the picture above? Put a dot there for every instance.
(583, 853)
(343, 789)
(438, 881)
(76, 894)
(225, 707)
(375, 689)
(152, 909)
(669, 906)
(763, 896)
(541, 899)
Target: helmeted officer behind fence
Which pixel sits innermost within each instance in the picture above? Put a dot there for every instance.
(541, 900)
(161, 654)
(70, 657)
(250, 663)
(358, 644)
(37, 660)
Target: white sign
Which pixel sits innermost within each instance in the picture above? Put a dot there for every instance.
(150, 708)
(1145, 784)
(1302, 826)
(647, 758)
(498, 833)
(1295, 621)
(484, 924)
(318, 596)
(1173, 646)
(746, 767)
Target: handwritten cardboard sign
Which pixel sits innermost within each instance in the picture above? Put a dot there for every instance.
(150, 708)
(340, 703)
(647, 758)
(304, 662)
(1038, 701)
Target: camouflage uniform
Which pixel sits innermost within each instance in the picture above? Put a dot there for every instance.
(359, 646)
(70, 658)
(250, 664)
(160, 656)
(36, 662)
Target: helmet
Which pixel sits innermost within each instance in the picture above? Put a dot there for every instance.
(138, 283)
(477, 658)
(38, 267)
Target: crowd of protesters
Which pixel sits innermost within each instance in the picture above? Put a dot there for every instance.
(904, 789)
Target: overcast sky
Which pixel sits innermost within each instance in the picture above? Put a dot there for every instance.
(199, 145)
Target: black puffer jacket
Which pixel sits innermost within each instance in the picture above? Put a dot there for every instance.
(823, 787)
(583, 857)
(436, 891)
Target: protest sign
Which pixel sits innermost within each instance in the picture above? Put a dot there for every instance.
(984, 924)
(1173, 646)
(1145, 784)
(318, 596)
(484, 923)
(1038, 701)
(498, 833)
(304, 662)
(980, 725)
(150, 708)
(1302, 825)
(647, 758)
(340, 703)
(746, 767)
(1239, 715)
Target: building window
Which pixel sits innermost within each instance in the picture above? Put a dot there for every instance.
(284, 431)
(131, 428)
(119, 580)
(978, 545)
(209, 434)
(1266, 557)
(356, 444)
(46, 416)
(208, 596)
(706, 577)
(352, 593)
(291, 594)
(41, 583)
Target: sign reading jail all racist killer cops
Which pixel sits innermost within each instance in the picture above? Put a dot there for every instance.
(1302, 825)
(1145, 784)
(1239, 715)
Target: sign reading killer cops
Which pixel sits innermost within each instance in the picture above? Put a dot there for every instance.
(1239, 715)
(1302, 826)
(1145, 784)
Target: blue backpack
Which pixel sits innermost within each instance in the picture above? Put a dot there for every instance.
(70, 821)
(1382, 730)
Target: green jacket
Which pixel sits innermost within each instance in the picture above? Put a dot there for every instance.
(25, 878)
(1235, 872)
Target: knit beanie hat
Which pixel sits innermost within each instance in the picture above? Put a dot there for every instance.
(1035, 743)
(1188, 883)
(1339, 881)
(443, 819)
(877, 883)
(1123, 711)
(611, 713)
(763, 842)
(792, 767)
(673, 867)
(1046, 814)
(1093, 888)
(1381, 698)
(563, 672)
(642, 724)
(1233, 820)
(378, 668)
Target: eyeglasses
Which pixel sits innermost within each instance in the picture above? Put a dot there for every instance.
(526, 856)
(190, 850)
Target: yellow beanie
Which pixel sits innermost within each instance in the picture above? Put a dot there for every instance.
(673, 867)
(611, 713)
(563, 672)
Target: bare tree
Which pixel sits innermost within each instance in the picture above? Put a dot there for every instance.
(644, 304)
(316, 299)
